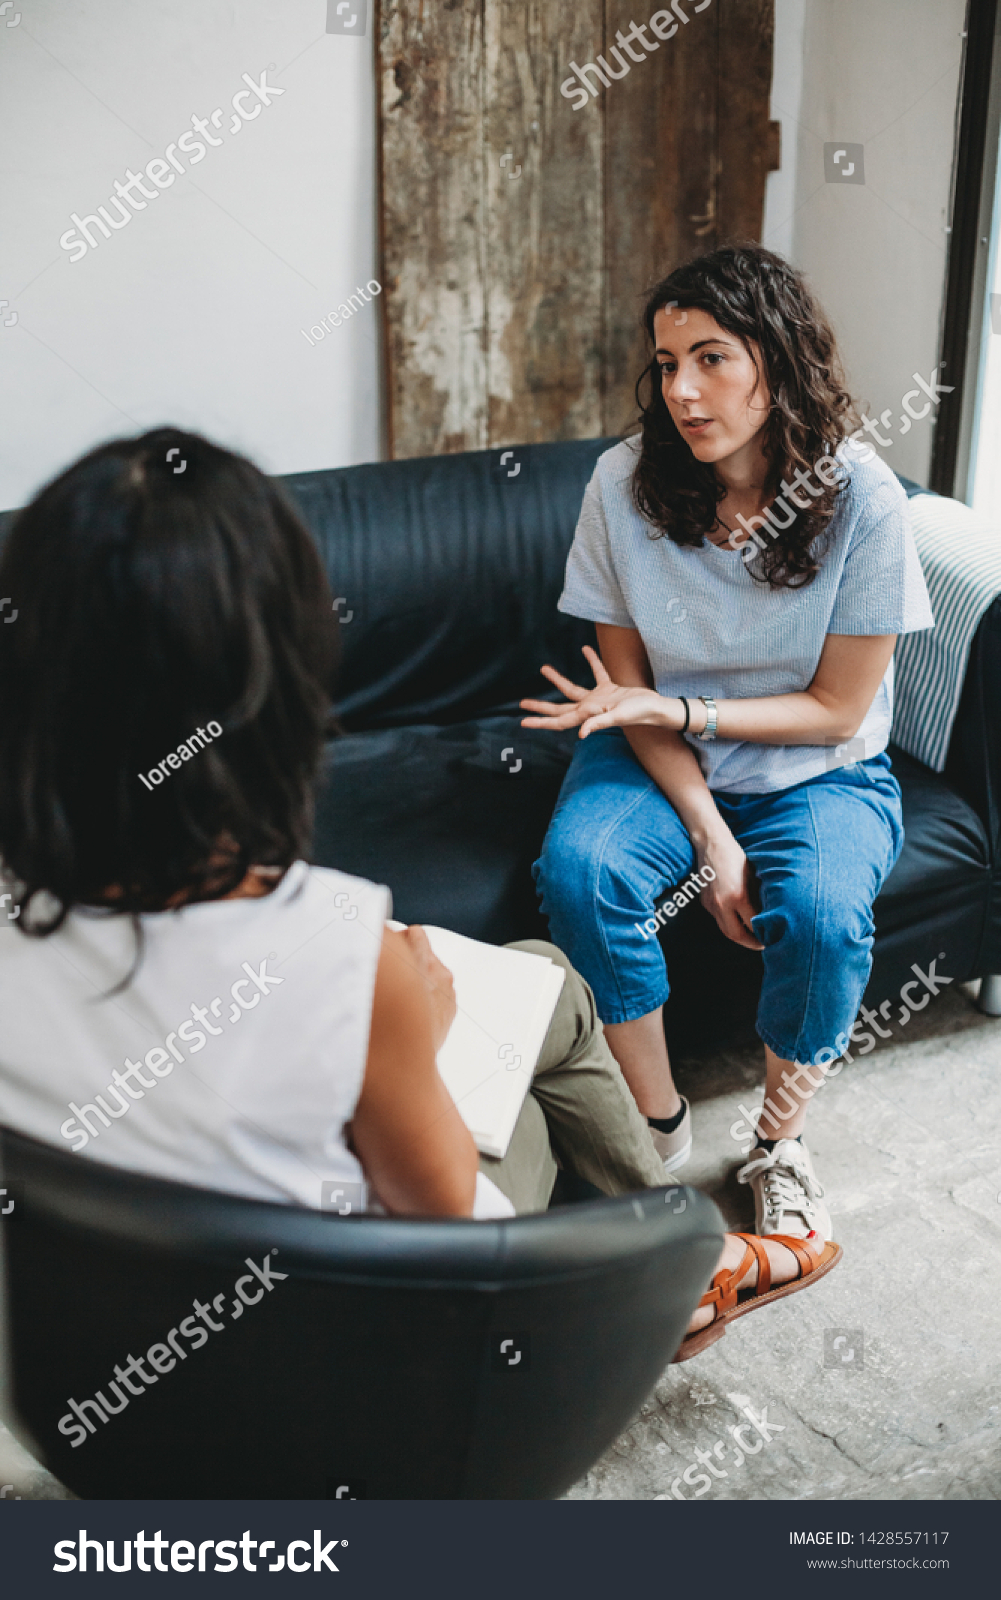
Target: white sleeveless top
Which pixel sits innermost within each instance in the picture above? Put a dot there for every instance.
(232, 1060)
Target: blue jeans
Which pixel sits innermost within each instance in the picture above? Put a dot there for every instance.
(820, 851)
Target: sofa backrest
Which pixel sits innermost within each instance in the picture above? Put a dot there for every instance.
(447, 570)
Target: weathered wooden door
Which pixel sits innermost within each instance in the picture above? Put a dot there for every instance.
(541, 165)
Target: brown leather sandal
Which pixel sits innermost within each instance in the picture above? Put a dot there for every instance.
(813, 1264)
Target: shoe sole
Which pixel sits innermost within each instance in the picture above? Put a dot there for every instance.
(697, 1342)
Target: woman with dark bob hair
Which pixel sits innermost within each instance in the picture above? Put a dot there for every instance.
(749, 565)
(165, 698)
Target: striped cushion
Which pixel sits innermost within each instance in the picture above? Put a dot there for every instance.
(960, 555)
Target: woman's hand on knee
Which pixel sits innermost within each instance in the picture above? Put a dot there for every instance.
(730, 896)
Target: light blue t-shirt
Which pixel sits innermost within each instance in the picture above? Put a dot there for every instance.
(710, 628)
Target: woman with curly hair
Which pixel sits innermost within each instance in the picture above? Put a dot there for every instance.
(749, 564)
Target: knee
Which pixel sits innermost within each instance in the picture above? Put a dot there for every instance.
(540, 947)
(567, 868)
(552, 952)
(838, 923)
(580, 871)
(576, 999)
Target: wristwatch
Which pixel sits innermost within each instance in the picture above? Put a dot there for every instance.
(709, 731)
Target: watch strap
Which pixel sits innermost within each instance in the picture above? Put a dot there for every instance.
(709, 731)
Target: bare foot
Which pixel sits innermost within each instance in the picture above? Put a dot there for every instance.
(783, 1263)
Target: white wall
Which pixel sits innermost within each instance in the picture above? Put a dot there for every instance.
(192, 312)
(883, 74)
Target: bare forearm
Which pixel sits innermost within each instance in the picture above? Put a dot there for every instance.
(673, 766)
(830, 710)
(795, 719)
(406, 1129)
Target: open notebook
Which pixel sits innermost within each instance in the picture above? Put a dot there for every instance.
(505, 1001)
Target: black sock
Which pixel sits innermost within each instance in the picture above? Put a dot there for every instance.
(668, 1124)
(769, 1144)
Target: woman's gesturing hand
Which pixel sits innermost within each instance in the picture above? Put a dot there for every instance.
(607, 705)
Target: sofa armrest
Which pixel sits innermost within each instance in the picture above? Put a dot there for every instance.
(973, 765)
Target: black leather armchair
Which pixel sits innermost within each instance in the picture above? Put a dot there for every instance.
(447, 572)
(387, 1360)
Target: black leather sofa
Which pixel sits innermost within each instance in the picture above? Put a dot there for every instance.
(447, 572)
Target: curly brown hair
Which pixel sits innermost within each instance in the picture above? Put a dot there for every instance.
(757, 296)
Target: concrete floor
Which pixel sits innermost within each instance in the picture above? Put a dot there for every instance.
(907, 1141)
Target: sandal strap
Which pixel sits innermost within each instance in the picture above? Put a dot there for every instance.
(764, 1282)
(805, 1254)
(723, 1294)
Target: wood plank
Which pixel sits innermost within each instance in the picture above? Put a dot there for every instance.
(432, 137)
(512, 299)
(544, 228)
(661, 166)
(748, 143)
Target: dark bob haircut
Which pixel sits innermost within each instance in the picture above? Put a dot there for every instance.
(151, 600)
(758, 297)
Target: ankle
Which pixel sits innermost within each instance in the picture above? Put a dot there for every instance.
(769, 1144)
(669, 1124)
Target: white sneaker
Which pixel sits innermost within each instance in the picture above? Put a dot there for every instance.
(674, 1148)
(787, 1195)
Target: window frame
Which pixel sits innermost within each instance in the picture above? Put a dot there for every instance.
(966, 309)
